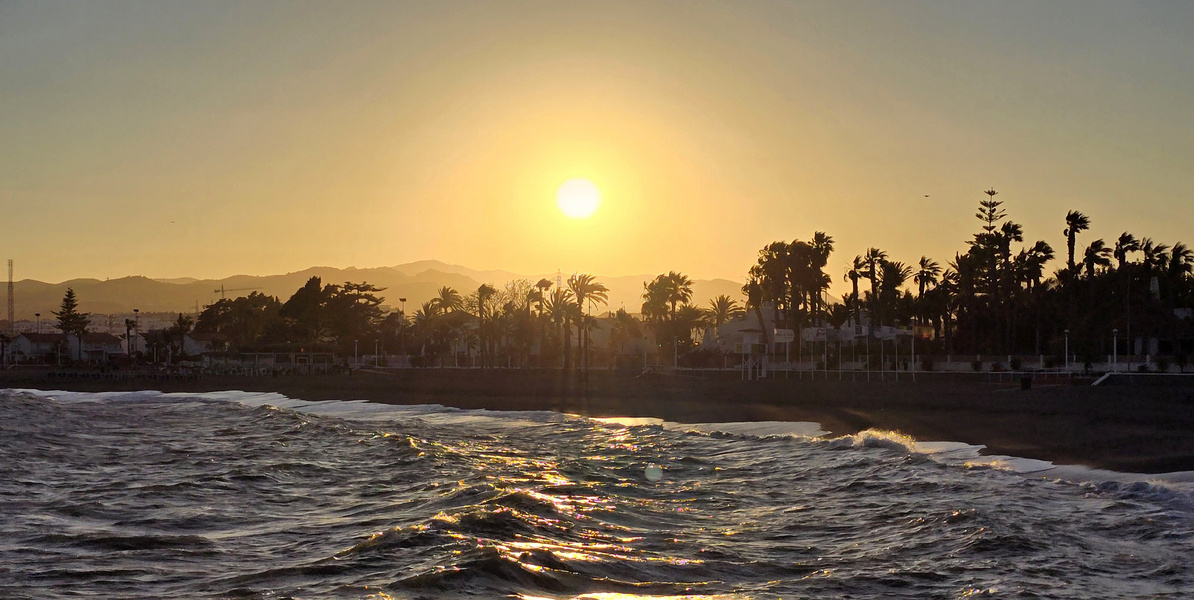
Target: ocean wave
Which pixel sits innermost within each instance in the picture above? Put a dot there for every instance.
(209, 496)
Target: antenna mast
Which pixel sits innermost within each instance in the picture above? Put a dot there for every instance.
(11, 302)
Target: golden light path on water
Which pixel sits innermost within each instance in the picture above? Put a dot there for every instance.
(437, 502)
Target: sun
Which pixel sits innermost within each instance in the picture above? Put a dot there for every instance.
(578, 198)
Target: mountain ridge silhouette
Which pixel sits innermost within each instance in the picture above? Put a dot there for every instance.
(416, 281)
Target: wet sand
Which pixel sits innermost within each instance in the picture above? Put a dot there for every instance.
(1129, 428)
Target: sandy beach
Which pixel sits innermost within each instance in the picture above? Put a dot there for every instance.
(1130, 428)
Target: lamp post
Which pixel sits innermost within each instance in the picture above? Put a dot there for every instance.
(38, 315)
(1067, 350)
(136, 324)
(1115, 349)
(355, 360)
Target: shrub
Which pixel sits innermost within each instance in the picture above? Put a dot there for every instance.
(977, 365)
(996, 367)
(926, 363)
(1162, 364)
(1016, 364)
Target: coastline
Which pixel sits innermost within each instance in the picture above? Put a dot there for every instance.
(1124, 428)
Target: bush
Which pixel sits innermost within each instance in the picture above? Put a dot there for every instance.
(1142, 368)
(1162, 364)
(926, 363)
(996, 367)
(977, 365)
(1016, 363)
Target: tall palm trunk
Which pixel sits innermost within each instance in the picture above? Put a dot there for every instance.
(567, 344)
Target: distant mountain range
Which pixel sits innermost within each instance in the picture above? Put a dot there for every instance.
(416, 281)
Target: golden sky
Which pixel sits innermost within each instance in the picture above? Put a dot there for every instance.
(215, 138)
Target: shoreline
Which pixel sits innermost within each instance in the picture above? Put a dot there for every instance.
(1125, 428)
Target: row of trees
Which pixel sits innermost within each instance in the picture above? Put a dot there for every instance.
(996, 296)
(520, 324)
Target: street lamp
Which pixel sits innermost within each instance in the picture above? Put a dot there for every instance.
(38, 315)
(1115, 349)
(1067, 350)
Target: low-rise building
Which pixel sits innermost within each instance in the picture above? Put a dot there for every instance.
(32, 347)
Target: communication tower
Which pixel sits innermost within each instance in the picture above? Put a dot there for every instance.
(11, 302)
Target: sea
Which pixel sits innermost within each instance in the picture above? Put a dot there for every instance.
(258, 496)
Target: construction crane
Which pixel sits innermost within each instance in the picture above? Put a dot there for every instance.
(222, 291)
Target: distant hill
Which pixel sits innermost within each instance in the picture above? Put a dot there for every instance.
(417, 282)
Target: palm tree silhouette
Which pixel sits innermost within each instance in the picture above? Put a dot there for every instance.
(1097, 255)
(585, 288)
(874, 259)
(484, 292)
(722, 310)
(1075, 222)
(678, 290)
(925, 277)
(1125, 244)
(754, 301)
(448, 300)
(559, 307)
(858, 270)
(822, 245)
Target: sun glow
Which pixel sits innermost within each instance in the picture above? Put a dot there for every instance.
(578, 198)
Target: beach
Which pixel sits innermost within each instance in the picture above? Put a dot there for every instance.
(1128, 428)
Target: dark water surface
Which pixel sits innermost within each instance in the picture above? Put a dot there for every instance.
(143, 495)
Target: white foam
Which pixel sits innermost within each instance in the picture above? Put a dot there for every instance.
(958, 453)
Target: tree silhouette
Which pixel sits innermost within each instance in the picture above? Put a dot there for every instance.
(70, 320)
(586, 289)
(1076, 223)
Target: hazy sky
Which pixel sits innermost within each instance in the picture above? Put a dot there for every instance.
(208, 139)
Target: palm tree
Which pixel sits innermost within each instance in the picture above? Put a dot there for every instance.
(429, 309)
(722, 310)
(586, 289)
(754, 301)
(1156, 256)
(822, 245)
(1034, 260)
(925, 277)
(688, 319)
(875, 259)
(858, 270)
(484, 292)
(1125, 244)
(678, 290)
(624, 328)
(1097, 255)
(893, 276)
(1075, 222)
(1181, 261)
(559, 307)
(448, 300)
